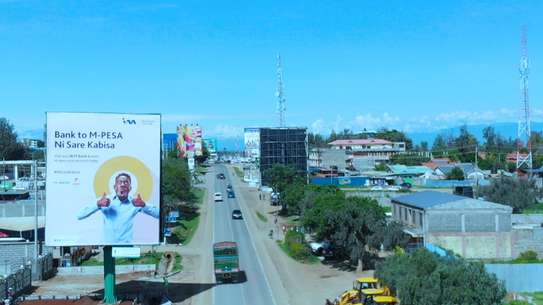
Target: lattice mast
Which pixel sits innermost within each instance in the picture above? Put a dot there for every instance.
(524, 124)
(281, 107)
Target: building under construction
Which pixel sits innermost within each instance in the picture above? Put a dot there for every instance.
(283, 145)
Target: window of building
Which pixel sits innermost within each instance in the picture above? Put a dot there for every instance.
(420, 219)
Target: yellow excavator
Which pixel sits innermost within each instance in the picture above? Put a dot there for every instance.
(366, 291)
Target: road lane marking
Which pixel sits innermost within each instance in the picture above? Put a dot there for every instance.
(254, 248)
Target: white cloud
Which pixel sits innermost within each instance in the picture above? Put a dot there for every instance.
(437, 121)
(318, 126)
(371, 122)
(224, 131)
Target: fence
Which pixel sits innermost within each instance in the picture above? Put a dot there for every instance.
(44, 268)
(19, 281)
(518, 277)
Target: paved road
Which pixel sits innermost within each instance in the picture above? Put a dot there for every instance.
(256, 290)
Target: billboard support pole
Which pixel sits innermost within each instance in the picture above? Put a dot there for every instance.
(109, 276)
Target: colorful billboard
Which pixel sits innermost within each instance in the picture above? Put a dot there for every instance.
(103, 179)
(211, 145)
(252, 142)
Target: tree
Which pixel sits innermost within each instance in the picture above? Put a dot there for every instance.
(413, 158)
(280, 177)
(456, 174)
(423, 278)
(381, 167)
(205, 154)
(293, 196)
(424, 146)
(440, 146)
(465, 145)
(10, 148)
(176, 186)
(353, 228)
(514, 192)
(394, 136)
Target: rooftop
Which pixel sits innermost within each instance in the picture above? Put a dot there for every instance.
(440, 200)
(360, 142)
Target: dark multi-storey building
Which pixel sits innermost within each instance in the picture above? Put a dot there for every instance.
(283, 145)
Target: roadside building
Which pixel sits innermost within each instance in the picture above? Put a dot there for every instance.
(282, 145)
(327, 158)
(470, 171)
(377, 149)
(474, 229)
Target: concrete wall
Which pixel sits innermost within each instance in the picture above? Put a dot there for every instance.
(468, 221)
(528, 239)
(481, 245)
(14, 255)
(21, 208)
(119, 269)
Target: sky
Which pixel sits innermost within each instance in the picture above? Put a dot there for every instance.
(410, 65)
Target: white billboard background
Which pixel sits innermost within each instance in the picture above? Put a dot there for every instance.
(80, 169)
(252, 142)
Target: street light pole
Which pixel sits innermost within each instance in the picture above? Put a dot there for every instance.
(35, 164)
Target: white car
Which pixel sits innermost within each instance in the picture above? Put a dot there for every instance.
(393, 188)
(377, 188)
(217, 197)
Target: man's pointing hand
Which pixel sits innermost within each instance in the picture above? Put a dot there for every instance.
(138, 202)
(103, 202)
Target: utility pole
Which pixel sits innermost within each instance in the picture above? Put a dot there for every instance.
(281, 108)
(524, 124)
(35, 264)
(476, 154)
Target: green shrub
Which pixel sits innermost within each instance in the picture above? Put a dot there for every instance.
(295, 246)
(528, 256)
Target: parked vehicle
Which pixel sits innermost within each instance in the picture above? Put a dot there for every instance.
(226, 261)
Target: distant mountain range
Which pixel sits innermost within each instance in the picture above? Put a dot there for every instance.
(504, 129)
(507, 130)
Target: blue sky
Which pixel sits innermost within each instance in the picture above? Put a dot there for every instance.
(412, 65)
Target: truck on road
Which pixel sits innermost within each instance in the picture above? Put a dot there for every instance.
(226, 261)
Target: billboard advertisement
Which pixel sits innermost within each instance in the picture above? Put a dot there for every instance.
(252, 142)
(103, 179)
(211, 145)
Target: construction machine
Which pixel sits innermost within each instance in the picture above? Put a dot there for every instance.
(365, 291)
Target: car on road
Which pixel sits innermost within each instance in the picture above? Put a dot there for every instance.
(377, 188)
(231, 194)
(393, 188)
(217, 197)
(229, 187)
(221, 176)
(236, 214)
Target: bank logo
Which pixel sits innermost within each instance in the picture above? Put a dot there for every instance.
(129, 122)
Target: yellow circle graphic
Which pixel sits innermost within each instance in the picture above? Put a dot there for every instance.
(130, 165)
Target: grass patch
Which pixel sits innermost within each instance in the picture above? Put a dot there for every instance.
(200, 194)
(534, 209)
(202, 170)
(387, 209)
(538, 297)
(188, 224)
(294, 246)
(149, 258)
(261, 216)
(238, 172)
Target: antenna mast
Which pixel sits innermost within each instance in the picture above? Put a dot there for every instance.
(281, 108)
(524, 128)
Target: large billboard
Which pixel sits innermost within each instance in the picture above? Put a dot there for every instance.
(252, 142)
(103, 179)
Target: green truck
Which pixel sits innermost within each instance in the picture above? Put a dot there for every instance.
(226, 261)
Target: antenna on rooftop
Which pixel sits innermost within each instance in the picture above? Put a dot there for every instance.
(281, 108)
